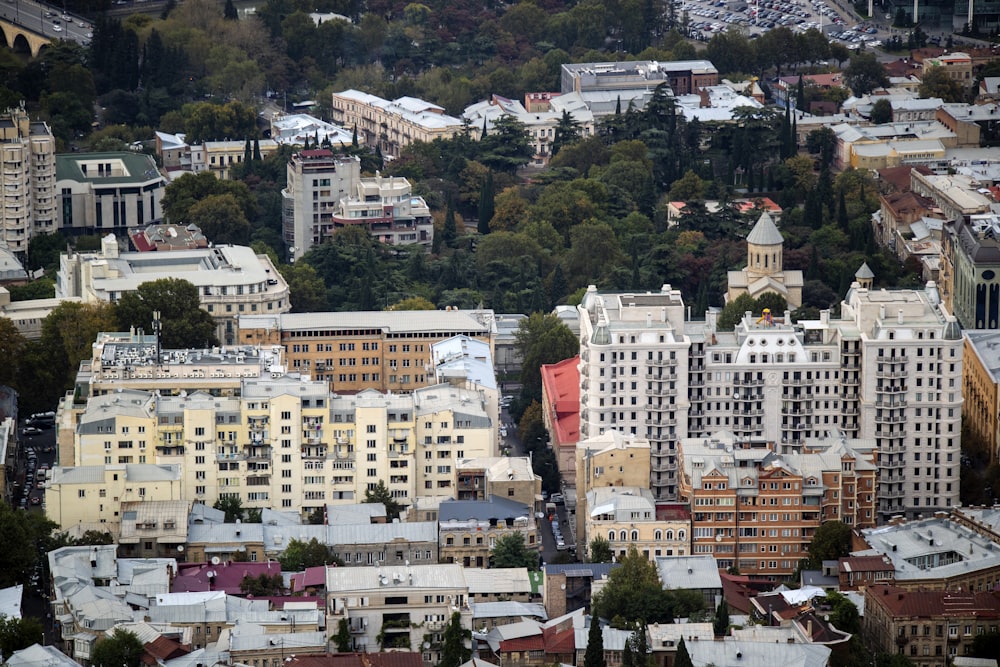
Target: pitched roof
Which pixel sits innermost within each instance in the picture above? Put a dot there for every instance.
(765, 232)
(927, 604)
(864, 272)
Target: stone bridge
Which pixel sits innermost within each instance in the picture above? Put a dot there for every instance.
(20, 39)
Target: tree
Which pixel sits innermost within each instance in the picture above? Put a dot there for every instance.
(19, 633)
(306, 290)
(683, 658)
(487, 204)
(689, 187)
(122, 649)
(720, 624)
(634, 592)
(185, 324)
(413, 303)
(232, 506)
(454, 651)
(936, 82)
(299, 555)
(542, 338)
(221, 219)
(844, 614)
(594, 655)
(449, 233)
(229, 12)
(506, 148)
(865, 74)
(262, 585)
(189, 189)
(95, 537)
(342, 640)
(381, 494)
(567, 132)
(822, 141)
(12, 344)
(832, 540)
(881, 112)
(600, 550)
(732, 312)
(510, 551)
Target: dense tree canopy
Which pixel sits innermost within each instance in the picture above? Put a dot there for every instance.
(511, 551)
(122, 649)
(185, 324)
(299, 555)
(831, 541)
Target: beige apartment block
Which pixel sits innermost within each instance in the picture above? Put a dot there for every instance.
(28, 179)
(627, 517)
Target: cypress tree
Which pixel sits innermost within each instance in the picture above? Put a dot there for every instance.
(229, 13)
(683, 658)
(450, 230)
(247, 153)
(842, 211)
(800, 95)
(256, 150)
(594, 656)
(721, 623)
(354, 137)
(486, 203)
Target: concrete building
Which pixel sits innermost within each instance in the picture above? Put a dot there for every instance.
(393, 125)
(682, 77)
(153, 528)
(27, 316)
(164, 238)
(888, 369)
(287, 443)
(325, 192)
(937, 554)
(572, 586)
(91, 497)
(107, 192)
(231, 280)
(757, 510)
(178, 157)
(28, 179)
(970, 268)
(929, 627)
(765, 272)
(296, 128)
(354, 351)
(470, 529)
(981, 389)
(561, 413)
(694, 573)
(628, 517)
(509, 477)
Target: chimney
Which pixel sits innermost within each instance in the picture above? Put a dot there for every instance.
(899, 315)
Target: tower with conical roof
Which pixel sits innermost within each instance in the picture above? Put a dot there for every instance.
(765, 271)
(864, 276)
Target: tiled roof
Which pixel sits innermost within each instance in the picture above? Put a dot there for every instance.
(562, 385)
(865, 564)
(928, 604)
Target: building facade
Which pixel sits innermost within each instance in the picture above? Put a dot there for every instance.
(970, 269)
(27, 180)
(353, 351)
(981, 389)
(628, 517)
(326, 192)
(889, 368)
(393, 125)
(108, 192)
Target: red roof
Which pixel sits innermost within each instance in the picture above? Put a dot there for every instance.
(929, 604)
(562, 389)
(316, 152)
(865, 564)
(822, 80)
(529, 643)
(313, 577)
(899, 177)
(163, 648)
(765, 203)
(194, 577)
(667, 512)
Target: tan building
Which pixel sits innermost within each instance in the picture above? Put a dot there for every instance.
(957, 65)
(765, 270)
(91, 497)
(757, 510)
(930, 628)
(153, 528)
(393, 125)
(980, 384)
(628, 517)
(353, 351)
(470, 529)
(28, 179)
(509, 477)
(608, 459)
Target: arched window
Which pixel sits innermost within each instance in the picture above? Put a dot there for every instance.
(635, 535)
(658, 535)
(611, 536)
(670, 534)
(624, 536)
(681, 534)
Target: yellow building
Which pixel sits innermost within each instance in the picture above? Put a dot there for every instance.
(981, 398)
(353, 351)
(393, 125)
(509, 477)
(627, 517)
(608, 459)
(220, 156)
(91, 497)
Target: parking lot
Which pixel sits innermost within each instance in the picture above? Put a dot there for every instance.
(36, 456)
(707, 17)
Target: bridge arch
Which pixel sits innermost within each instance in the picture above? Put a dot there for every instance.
(22, 40)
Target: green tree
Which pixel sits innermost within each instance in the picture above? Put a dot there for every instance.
(229, 12)
(221, 219)
(634, 592)
(306, 290)
(342, 640)
(936, 82)
(690, 187)
(12, 345)
(449, 233)
(542, 338)
(511, 551)
(507, 147)
(299, 555)
(19, 633)
(122, 649)
(881, 112)
(844, 614)
(985, 645)
(567, 132)
(95, 537)
(594, 655)
(185, 324)
(454, 651)
(600, 550)
(865, 74)
(720, 624)
(189, 189)
(232, 505)
(487, 204)
(822, 141)
(262, 585)
(683, 658)
(832, 540)
(732, 312)
(413, 303)
(381, 494)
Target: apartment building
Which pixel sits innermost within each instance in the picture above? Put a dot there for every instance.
(627, 517)
(930, 628)
(288, 443)
(756, 509)
(354, 351)
(231, 280)
(509, 477)
(28, 179)
(684, 77)
(889, 369)
(393, 125)
(96, 497)
(217, 157)
(398, 607)
(970, 266)
(107, 192)
(981, 389)
(957, 65)
(561, 413)
(326, 192)
(470, 529)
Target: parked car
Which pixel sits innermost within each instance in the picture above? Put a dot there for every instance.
(30, 431)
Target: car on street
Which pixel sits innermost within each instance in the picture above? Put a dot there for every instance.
(56, 28)
(556, 498)
(30, 431)
(560, 545)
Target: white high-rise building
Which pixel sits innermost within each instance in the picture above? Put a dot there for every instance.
(27, 179)
(889, 369)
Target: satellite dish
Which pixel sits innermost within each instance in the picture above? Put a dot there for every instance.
(180, 548)
(216, 560)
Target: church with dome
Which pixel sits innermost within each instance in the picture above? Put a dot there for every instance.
(765, 271)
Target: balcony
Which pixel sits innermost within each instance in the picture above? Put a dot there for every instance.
(662, 392)
(661, 363)
(796, 411)
(749, 413)
(661, 422)
(901, 359)
(891, 389)
(748, 382)
(890, 419)
(890, 374)
(256, 452)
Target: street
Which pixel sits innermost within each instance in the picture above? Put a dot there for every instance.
(32, 16)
